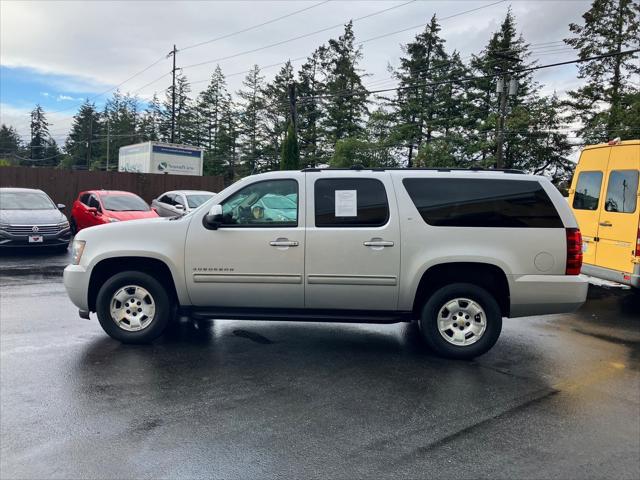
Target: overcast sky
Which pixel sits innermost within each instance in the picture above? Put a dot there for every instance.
(58, 53)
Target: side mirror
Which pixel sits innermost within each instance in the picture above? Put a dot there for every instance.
(179, 206)
(61, 206)
(93, 210)
(213, 219)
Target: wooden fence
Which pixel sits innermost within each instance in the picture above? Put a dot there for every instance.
(63, 186)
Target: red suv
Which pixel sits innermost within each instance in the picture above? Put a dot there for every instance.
(97, 207)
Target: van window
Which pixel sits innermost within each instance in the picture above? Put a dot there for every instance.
(467, 202)
(622, 192)
(587, 193)
(370, 208)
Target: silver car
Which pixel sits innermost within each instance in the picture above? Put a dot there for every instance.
(177, 202)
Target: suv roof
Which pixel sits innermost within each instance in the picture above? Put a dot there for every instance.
(434, 169)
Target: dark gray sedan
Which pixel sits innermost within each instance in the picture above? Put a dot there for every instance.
(29, 218)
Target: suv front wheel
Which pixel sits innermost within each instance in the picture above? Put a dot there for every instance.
(133, 307)
(461, 321)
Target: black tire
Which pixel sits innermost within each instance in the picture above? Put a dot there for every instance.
(164, 307)
(73, 226)
(431, 310)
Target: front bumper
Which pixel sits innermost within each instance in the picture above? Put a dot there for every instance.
(76, 282)
(8, 240)
(546, 294)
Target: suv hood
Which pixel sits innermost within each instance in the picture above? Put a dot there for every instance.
(32, 217)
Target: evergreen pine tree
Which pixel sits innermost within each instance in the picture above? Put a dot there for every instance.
(42, 147)
(604, 102)
(277, 108)
(346, 105)
(252, 121)
(290, 159)
(82, 144)
(309, 86)
(10, 142)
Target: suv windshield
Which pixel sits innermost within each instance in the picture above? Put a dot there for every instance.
(124, 203)
(25, 201)
(195, 201)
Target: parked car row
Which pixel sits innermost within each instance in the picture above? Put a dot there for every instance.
(29, 218)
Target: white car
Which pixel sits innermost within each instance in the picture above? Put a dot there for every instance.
(177, 202)
(455, 251)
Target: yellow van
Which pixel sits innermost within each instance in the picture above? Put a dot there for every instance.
(605, 200)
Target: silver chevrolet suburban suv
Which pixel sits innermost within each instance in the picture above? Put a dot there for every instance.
(454, 250)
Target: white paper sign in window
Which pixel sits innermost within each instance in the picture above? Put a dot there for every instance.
(346, 203)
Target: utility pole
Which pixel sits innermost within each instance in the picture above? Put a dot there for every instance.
(172, 53)
(89, 142)
(502, 112)
(505, 88)
(292, 105)
(108, 142)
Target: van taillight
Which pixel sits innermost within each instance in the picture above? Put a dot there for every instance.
(574, 251)
(638, 243)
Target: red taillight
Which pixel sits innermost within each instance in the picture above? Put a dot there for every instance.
(638, 243)
(574, 251)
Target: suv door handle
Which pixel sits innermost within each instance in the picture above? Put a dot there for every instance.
(378, 243)
(283, 243)
(606, 224)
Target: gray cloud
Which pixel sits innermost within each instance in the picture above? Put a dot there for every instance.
(102, 43)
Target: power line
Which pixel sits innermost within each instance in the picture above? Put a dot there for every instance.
(378, 37)
(253, 27)
(299, 37)
(468, 79)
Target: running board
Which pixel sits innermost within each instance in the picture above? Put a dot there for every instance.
(300, 315)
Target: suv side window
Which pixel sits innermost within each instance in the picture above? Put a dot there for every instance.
(370, 204)
(268, 203)
(622, 192)
(587, 194)
(466, 202)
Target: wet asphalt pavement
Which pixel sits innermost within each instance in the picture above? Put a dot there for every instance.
(558, 396)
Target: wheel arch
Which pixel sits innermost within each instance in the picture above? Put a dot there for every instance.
(486, 275)
(108, 267)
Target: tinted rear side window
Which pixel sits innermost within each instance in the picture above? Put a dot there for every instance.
(463, 202)
(622, 192)
(587, 193)
(372, 207)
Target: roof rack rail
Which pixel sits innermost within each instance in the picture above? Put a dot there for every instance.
(434, 169)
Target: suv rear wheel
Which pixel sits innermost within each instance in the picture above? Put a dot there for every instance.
(461, 321)
(133, 307)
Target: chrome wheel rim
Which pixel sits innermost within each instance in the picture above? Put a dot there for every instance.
(132, 308)
(461, 322)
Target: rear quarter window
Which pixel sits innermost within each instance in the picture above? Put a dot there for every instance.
(467, 202)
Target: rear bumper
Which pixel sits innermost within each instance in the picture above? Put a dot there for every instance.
(76, 282)
(546, 294)
(631, 279)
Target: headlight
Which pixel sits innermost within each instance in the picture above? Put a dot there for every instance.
(76, 251)
(63, 225)
(111, 220)
(4, 226)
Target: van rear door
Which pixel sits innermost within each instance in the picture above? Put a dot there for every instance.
(585, 198)
(618, 225)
